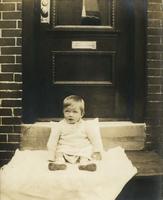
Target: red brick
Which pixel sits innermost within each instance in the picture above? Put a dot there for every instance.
(7, 24)
(11, 33)
(19, 6)
(162, 23)
(149, 136)
(154, 47)
(156, 130)
(154, 7)
(3, 138)
(12, 68)
(162, 72)
(10, 86)
(155, 31)
(17, 112)
(155, 97)
(155, 15)
(6, 129)
(6, 77)
(5, 112)
(19, 24)
(155, 64)
(153, 55)
(7, 59)
(154, 113)
(7, 41)
(11, 103)
(156, 106)
(154, 40)
(18, 59)
(11, 50)
(18, 78)
(12, 15)
(161, 56)
(154, 72)
(7, 6)
(13, 137)
(11, 120)
(19, 41)
(154, 23)
(10, 94)
(155, 80)
(152, 121)
(161, 120)
(17, 129)
(154, 89)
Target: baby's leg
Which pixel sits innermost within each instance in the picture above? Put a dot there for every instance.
(85, 164)
(59, 163)
(59, 159)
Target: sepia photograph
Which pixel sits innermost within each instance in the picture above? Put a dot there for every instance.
(81, 99)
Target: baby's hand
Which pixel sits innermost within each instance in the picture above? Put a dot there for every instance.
(96, 156)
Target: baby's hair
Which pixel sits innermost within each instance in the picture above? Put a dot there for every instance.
(72, 100)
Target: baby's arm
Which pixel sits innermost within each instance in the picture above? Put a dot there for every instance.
(94, 136)
(52, 143)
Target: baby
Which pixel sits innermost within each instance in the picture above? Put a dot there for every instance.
(71, 140)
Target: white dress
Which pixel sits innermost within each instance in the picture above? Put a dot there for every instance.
(78, 140)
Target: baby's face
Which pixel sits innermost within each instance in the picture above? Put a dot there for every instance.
(72, 114)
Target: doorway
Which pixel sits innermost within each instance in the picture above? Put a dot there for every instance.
(87, 48)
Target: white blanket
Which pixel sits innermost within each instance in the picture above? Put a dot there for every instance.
(26, 177)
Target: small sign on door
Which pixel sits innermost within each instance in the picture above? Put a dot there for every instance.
(83, 44)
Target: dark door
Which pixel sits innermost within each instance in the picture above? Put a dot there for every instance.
(82, 47)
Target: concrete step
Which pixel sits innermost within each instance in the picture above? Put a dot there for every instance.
(128, 135)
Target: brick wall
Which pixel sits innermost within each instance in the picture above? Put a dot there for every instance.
(154, 104)
(10, 77)
(11, 83)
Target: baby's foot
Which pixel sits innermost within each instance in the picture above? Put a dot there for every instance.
(54, 166)
(89, 167)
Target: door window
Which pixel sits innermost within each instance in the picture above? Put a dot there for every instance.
(83, 13)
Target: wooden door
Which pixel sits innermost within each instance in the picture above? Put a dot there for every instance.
(87, 50)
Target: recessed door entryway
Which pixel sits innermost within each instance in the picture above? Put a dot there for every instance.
(83, 47)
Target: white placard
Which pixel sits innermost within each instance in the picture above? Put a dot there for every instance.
(83, 44)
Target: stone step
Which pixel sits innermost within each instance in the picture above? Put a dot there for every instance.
(128, 135)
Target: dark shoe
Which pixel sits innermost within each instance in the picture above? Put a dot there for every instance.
(89, 167)
(54, 166)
